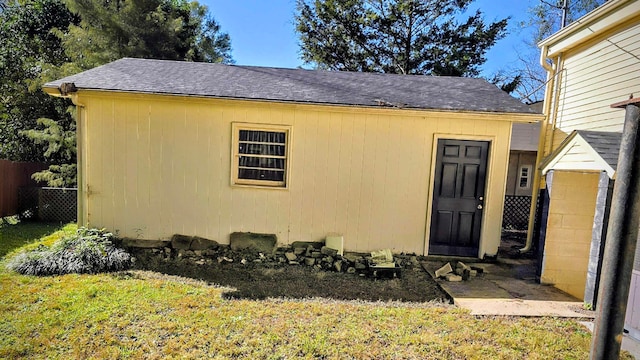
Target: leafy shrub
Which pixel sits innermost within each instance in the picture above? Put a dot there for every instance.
(89, 251)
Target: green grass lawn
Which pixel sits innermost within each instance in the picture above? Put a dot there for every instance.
(148, 315)
(14, 234)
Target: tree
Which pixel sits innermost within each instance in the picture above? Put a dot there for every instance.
(546, 19)
(395, 36)
(153, 29)
(41, 40)
(26, 45)
(547, 16)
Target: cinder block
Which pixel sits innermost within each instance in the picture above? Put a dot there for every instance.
(578, 222)
(554, 221)
(336, 242)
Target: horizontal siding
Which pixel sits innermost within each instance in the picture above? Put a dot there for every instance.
(596, 77)
(577, 158)
(158, 166)
(525, 137)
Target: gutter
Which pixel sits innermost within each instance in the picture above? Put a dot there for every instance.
(551, 79)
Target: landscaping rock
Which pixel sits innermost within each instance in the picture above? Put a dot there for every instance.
(145, 244)
(309, 261)
(328, 251)
(264, 243)
(306, 244)
(444, 270)
(181, 242)
(316, 254)
(290, 256)
(199, 243)
(338, 265)
(299, 250)
(351, 270)
(453, 277)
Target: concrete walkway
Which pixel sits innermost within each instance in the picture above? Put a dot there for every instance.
(508, 287)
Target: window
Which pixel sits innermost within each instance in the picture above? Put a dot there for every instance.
(524, 177)
(260, 154)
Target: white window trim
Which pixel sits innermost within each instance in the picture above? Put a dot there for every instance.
(528, 177)
(235, 156)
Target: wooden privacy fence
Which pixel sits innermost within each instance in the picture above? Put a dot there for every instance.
(48, 204)
(14, 175)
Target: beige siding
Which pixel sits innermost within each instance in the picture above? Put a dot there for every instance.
(525, 137)
(517, 159)
(595, 77)
(569, 227)
(578, 157)
(157, 166)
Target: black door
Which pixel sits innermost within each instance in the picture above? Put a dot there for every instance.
(458, 197)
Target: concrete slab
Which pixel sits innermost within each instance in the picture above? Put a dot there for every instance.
(519, 307)
(509, 288)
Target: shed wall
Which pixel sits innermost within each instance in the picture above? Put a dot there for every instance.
(158, 165)
(569, 230)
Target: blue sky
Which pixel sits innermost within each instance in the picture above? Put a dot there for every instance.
(262, 31)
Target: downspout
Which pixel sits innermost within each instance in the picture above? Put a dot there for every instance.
(551, 79)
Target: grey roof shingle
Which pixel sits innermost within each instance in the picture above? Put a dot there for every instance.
(296, 85)
(606, 144)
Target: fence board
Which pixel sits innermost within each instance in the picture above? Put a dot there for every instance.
(14, 175)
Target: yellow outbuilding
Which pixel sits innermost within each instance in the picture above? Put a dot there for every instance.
(416, 164)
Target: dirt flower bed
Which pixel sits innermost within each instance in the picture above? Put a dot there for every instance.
(257, 276)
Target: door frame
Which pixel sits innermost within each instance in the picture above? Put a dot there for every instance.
(488, 208)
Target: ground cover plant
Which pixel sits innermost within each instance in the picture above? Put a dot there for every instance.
(87, 251)
(142, 314)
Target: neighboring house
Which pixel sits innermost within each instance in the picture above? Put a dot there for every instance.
(411, 163)
(522, 163)
(522, 159)
(595, 63)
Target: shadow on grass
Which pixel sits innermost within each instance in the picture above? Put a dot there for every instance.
(16, 234)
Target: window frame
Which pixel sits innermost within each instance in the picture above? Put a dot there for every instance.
(236, 127)
(528, 176)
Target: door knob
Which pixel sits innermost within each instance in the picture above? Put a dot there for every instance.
(481, 198)
(479, 207)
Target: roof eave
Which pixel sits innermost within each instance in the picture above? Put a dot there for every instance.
(522, 117)
(607, 16)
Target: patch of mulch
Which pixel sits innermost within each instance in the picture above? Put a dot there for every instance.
(261, 281)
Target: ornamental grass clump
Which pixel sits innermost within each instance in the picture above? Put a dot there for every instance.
(88, 251)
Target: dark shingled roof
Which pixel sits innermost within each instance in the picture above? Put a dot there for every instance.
(296, 85)
(606, 144)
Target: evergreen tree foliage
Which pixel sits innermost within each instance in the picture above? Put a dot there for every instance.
(41, 40)
(395, 36)
(152, 29)
(27, 44)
